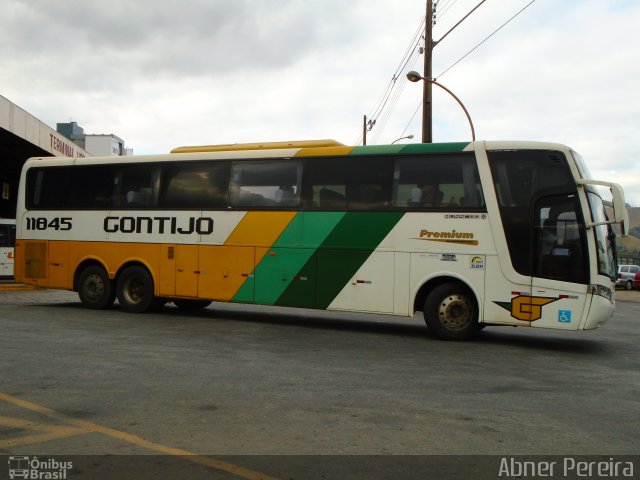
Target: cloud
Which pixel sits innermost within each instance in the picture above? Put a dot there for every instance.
(97, 44)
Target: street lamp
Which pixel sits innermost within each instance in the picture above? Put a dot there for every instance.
(402, 138)
(414, 76)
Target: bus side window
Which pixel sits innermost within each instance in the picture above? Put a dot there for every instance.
(329, 199)
(351, 183)
(44, 186)
(91, 187)
(137, 186)
(442, 181)
(201, 185)
(265, 183)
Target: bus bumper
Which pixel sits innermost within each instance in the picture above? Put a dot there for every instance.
(600, 311)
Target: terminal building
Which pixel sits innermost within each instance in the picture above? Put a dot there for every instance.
(23, 136)
(104, 145)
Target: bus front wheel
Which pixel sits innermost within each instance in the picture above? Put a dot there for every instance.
(95, 289)
(135, 291)
(450, 312)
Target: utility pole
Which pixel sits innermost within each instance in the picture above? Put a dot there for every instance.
(427, 99)
(364, 131)
(429, 44)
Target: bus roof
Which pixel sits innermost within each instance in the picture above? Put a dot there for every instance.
(259, 146)
(293, 149)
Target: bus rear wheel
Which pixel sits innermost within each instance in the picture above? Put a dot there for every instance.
(135, 291)
(95, 288)
(450, 312)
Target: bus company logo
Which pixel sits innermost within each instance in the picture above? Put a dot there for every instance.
(477, 263)
(452, 236)
(161, 225)
(525, 307)
(35, 469)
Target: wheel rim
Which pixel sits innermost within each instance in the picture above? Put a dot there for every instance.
(134, 290)
(93, 287)
(455, 312)
(629, 286)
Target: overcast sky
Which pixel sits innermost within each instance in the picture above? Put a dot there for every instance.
(162, 74)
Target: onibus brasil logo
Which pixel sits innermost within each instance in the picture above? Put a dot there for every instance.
(35, 469)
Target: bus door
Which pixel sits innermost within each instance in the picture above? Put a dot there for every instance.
(214, 272)
(224, 270)
(178, 267)
(560, 264)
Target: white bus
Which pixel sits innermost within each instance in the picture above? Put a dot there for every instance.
(7, 242)
(471, 234)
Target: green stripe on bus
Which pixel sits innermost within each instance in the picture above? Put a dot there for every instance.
(287, 257)
(376, 149)
(335, 262)
(411, 148)
(435, 147)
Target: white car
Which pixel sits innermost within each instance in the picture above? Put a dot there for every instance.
(627, 276)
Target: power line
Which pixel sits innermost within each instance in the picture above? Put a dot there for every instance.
(460, 21)
(487, 38)
(388, 92)
(409, 53)
(444, 8)
(467, 54)
(382, 123)
(411, 119)
(388, 101)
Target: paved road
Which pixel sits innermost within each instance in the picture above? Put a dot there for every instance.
(248, 381)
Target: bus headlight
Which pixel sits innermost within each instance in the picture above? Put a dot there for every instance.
(601, 290)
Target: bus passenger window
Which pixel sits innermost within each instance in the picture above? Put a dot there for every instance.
(137, 186)
(91, 187)
(353, 183)
(268, 184)
(330, 199)
(44, 186)
(195, 185)
(437, 182)
(7, 235)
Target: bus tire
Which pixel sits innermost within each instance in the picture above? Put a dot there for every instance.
(191, 305)
(135, 291)
(450, 312)
(95, 289)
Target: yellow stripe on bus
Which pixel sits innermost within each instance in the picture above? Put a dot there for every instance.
(256, 229)
(260, 229)
(324, 151)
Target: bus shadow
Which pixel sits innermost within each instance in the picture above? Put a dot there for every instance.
(320, 320)
(543, 340)
(521, 338)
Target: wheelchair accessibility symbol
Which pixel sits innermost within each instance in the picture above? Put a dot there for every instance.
(564, 316)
